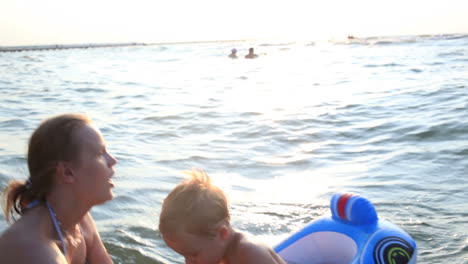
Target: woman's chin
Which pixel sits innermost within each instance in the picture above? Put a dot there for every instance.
(106, 198)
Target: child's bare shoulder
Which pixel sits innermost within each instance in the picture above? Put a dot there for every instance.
(253, 251)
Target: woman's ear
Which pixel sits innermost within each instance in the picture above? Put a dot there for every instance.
(224, 231)
(64, 172)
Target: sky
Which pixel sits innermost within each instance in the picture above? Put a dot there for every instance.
(42, 22)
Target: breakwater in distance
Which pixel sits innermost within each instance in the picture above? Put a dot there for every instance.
(102, 45)
(66, 46)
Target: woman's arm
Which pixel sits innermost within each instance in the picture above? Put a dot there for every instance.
(96, 253)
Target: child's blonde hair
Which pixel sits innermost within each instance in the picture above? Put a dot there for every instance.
(194, 206)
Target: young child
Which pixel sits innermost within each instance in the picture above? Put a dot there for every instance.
(195, 222)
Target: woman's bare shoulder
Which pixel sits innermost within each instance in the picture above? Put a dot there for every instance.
(16, 234)
(17, 246)
(24, 242)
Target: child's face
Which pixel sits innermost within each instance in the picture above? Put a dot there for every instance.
(197, 249)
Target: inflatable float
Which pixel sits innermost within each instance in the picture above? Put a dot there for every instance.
(353, 234)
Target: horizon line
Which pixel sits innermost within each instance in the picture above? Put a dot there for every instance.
(39, 47)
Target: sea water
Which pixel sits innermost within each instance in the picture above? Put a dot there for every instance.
(386, 118)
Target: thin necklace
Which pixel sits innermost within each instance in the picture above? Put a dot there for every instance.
(53, 216)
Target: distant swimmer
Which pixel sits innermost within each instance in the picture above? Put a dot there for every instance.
(251, 54)
(233, 54)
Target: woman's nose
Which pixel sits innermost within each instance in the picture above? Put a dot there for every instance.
(111, 160)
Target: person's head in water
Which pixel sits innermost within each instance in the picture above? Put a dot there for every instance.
(251, 54)
(233, 54)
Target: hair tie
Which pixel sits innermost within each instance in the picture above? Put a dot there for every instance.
(28, 184)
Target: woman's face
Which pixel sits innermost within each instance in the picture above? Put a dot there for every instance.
(94, 168)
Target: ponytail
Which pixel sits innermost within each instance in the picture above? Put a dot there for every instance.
(16, 196)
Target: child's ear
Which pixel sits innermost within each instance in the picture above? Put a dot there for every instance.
(64, 172)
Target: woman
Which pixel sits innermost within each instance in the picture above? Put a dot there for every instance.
(70, 172)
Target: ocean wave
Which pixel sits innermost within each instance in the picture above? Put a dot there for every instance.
(166, 118)
(187, 160)
(377, 41)
(277, 44)
(13, 123)
(90, 90)
(452, 53)
(396, 40)
(445, 36)
(384, 65)
(125, 249)
(439, 132)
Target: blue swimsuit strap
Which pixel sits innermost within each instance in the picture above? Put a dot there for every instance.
(53, 216)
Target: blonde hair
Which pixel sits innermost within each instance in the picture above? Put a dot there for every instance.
(194, 206)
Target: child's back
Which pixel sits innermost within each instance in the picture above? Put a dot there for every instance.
(248, 250)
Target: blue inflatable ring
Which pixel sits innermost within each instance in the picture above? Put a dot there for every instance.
(353, 234)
